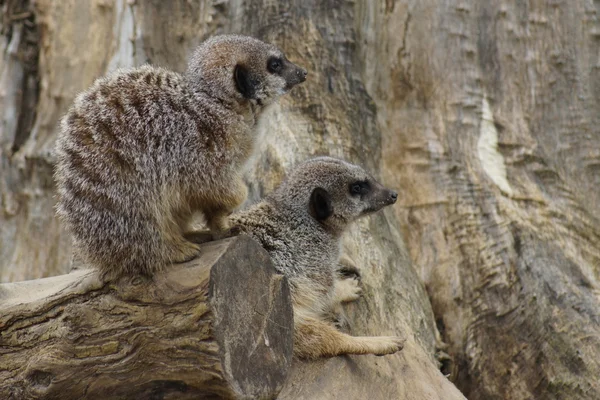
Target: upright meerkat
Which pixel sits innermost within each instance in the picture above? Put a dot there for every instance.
(144, 148)
(300, 224)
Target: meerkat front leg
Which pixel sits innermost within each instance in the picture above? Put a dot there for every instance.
(179, 249)
(217, 221)
(314, 338)
(346, 290)
(223, 204)
(346, 287)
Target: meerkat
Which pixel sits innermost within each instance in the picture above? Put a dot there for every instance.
(301, 224)
(143, 149)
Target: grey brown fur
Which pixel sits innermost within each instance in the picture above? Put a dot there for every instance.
(300, 224)
(142, 149)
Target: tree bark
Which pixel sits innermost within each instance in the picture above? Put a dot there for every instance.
(193, 332)
(490, 114)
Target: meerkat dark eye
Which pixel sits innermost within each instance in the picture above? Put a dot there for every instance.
(359, 188)
(275, 65)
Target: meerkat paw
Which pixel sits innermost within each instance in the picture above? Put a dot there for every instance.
(347, 290)
(218, 223)
(314, 338)
(383, 345)
(184, 251)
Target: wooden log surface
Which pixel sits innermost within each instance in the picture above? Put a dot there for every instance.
(219, 326)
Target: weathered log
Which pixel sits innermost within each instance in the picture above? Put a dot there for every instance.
(219, 326)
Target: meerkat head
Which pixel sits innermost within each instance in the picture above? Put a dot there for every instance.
(333, 192)
(242, 68)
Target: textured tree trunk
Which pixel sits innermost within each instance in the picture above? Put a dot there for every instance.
(491, 118)
(193, 332)
(483, 114)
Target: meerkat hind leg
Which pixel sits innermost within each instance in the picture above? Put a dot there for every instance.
(183, 250)
(217, 214)
(315, 338)
(217, 221)
(347, 281)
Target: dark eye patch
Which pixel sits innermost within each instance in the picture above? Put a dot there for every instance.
(275, 65)
(359, 188)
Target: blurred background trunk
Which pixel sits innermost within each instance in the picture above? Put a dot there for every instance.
(485, 115)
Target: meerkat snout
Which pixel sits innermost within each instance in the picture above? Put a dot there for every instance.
(284, 72)
(382, 197)
(292, 74)
(392, 197)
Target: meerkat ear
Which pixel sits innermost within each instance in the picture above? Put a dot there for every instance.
(320, 204)
(244, 82)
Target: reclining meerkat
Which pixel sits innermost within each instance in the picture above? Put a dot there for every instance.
(143, 149)
(300, 224)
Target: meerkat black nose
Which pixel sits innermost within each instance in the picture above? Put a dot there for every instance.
(302, 74)
(393, 196)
